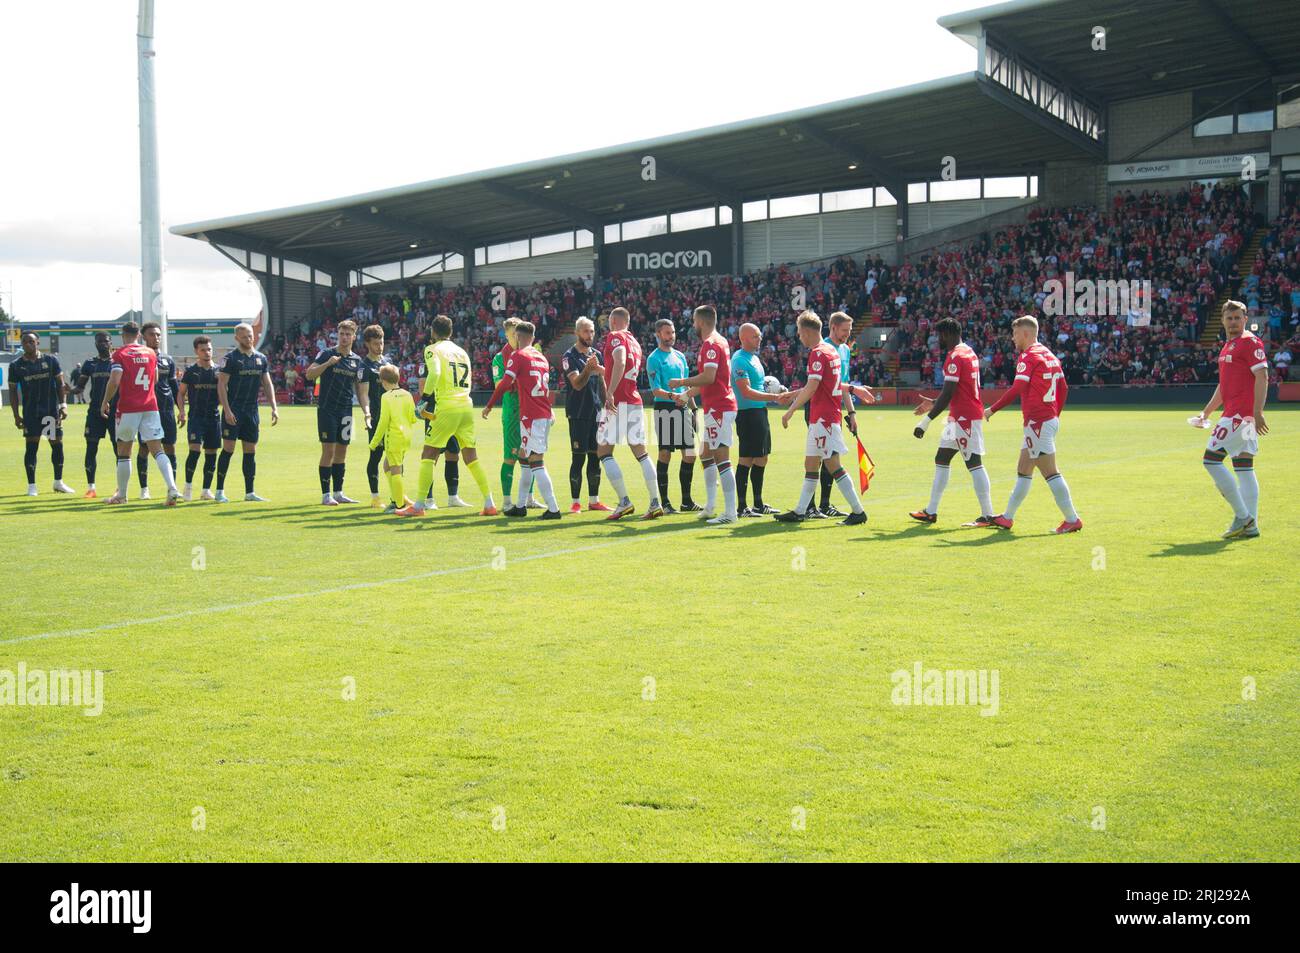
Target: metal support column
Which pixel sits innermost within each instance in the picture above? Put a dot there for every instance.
(597, 250)
(1274, 187)
(151, 260)
(738, 238)
(901, 224)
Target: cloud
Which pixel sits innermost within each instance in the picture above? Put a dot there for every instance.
(82, 291)
(36, 244)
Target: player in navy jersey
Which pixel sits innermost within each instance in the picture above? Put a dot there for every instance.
(341, 373)
(198, 389)
(95, 371)
(36, 385)
(165, 388)
(373, 358)
(245, 373)
(583, 398)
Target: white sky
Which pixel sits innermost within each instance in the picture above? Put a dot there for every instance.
(273, 103)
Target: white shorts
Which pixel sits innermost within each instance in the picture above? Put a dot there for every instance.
(145, 424)
(966, 441)
(533, 435)
(719, 429)
(1234, 436)
(1041, 438)
(824, 442)
(625, 425)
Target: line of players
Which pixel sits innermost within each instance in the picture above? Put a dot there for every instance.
(137, 392)
(1041, 388)
(607, 410)
(134, 395)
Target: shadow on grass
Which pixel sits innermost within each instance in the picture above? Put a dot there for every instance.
(99, 505)
(605, 530)
(990, 538)
(919, 530)
(264, 511)
(1204, 548)
(32, 505)
(769, 526)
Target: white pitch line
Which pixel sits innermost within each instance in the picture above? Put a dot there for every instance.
(289, 596)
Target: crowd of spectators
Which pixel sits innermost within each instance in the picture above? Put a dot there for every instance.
(478, 312)
(765, 298)
(1272, 287)
(770, 298)
(1185, 243)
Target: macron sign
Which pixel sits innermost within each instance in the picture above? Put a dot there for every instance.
(701, 251)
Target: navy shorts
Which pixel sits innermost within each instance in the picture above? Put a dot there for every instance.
(582, 434)
(205, 430)
(97, 427)
(334, 427)
(48, 426)
(754, 431)
(168, 420)
(245, 427)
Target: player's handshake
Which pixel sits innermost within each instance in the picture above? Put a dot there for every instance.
(862, 393)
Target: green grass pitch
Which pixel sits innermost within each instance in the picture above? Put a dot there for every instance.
(582, 690)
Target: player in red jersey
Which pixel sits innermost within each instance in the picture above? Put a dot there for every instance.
(1041, 387)
(1242, 390)
(623, 418)
(712, 381)
(964, 431)
(824, 394)
(135, 370)
(528, 374)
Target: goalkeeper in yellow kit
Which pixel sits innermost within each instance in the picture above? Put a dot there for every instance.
(448, 412)
(396, 414)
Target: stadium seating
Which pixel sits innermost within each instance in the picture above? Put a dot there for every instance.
(1185, 243)
(1189, 244)
(1271, 287)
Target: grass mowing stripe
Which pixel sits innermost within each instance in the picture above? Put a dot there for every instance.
(332, 590)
